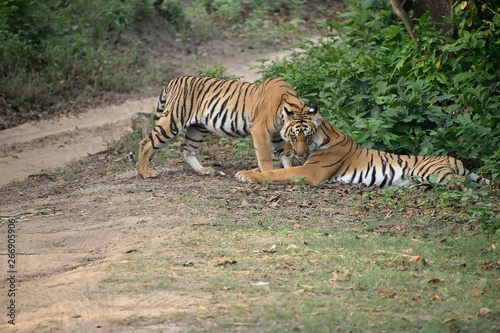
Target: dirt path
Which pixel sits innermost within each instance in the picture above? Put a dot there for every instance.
(30, 148)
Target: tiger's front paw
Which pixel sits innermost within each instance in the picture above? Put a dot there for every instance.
(246, 176)
(150, 173)
(206, 171)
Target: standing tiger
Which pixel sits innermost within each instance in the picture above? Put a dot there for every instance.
(227, 108)
(334, 156)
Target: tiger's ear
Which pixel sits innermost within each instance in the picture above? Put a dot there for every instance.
(317, 117)
(313, 109)
(286, 111)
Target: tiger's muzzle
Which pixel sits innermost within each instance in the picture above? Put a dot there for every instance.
(300, 146)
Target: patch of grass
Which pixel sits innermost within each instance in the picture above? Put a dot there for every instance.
(137, 321)
(310, 281)
(441, 204)
(68, 173)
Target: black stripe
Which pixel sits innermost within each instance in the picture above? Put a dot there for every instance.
(374, 173)
(353, 176)
(384, 181)
(360, 180)
(393, 172)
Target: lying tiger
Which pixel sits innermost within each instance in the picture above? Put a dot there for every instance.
(334, 156)
(227, 108)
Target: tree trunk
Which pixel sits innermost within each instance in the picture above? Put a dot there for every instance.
(397, 5)
(441, 11)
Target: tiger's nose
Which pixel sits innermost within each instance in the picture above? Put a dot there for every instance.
(300, 150)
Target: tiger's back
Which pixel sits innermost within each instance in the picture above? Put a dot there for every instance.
(224, 107)
(374, 167)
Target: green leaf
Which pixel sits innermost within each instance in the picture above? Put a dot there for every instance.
(440, 98)
(473, 41)
(434, 178)
(464, 119)
(441, 77)
(462, 76)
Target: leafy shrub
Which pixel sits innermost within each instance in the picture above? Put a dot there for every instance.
(201, 68)
(479, 205)
(274, 6)
(434, 96)
(257, 19)
(227, 10)
(174, 12)
(51, 48)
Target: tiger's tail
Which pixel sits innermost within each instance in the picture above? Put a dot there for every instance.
(476, 178)
(132, 159)
(462, 171)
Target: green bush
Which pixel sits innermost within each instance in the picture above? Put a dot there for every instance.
(174, 13)
(49, 49)
(265, 22)
(201, 68)
(434, 96)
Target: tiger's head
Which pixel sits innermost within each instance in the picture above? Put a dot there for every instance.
(299, 130)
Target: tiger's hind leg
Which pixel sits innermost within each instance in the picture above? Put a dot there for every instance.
(145, 152)
(442, 170)
(195, 136)
(148, 146)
